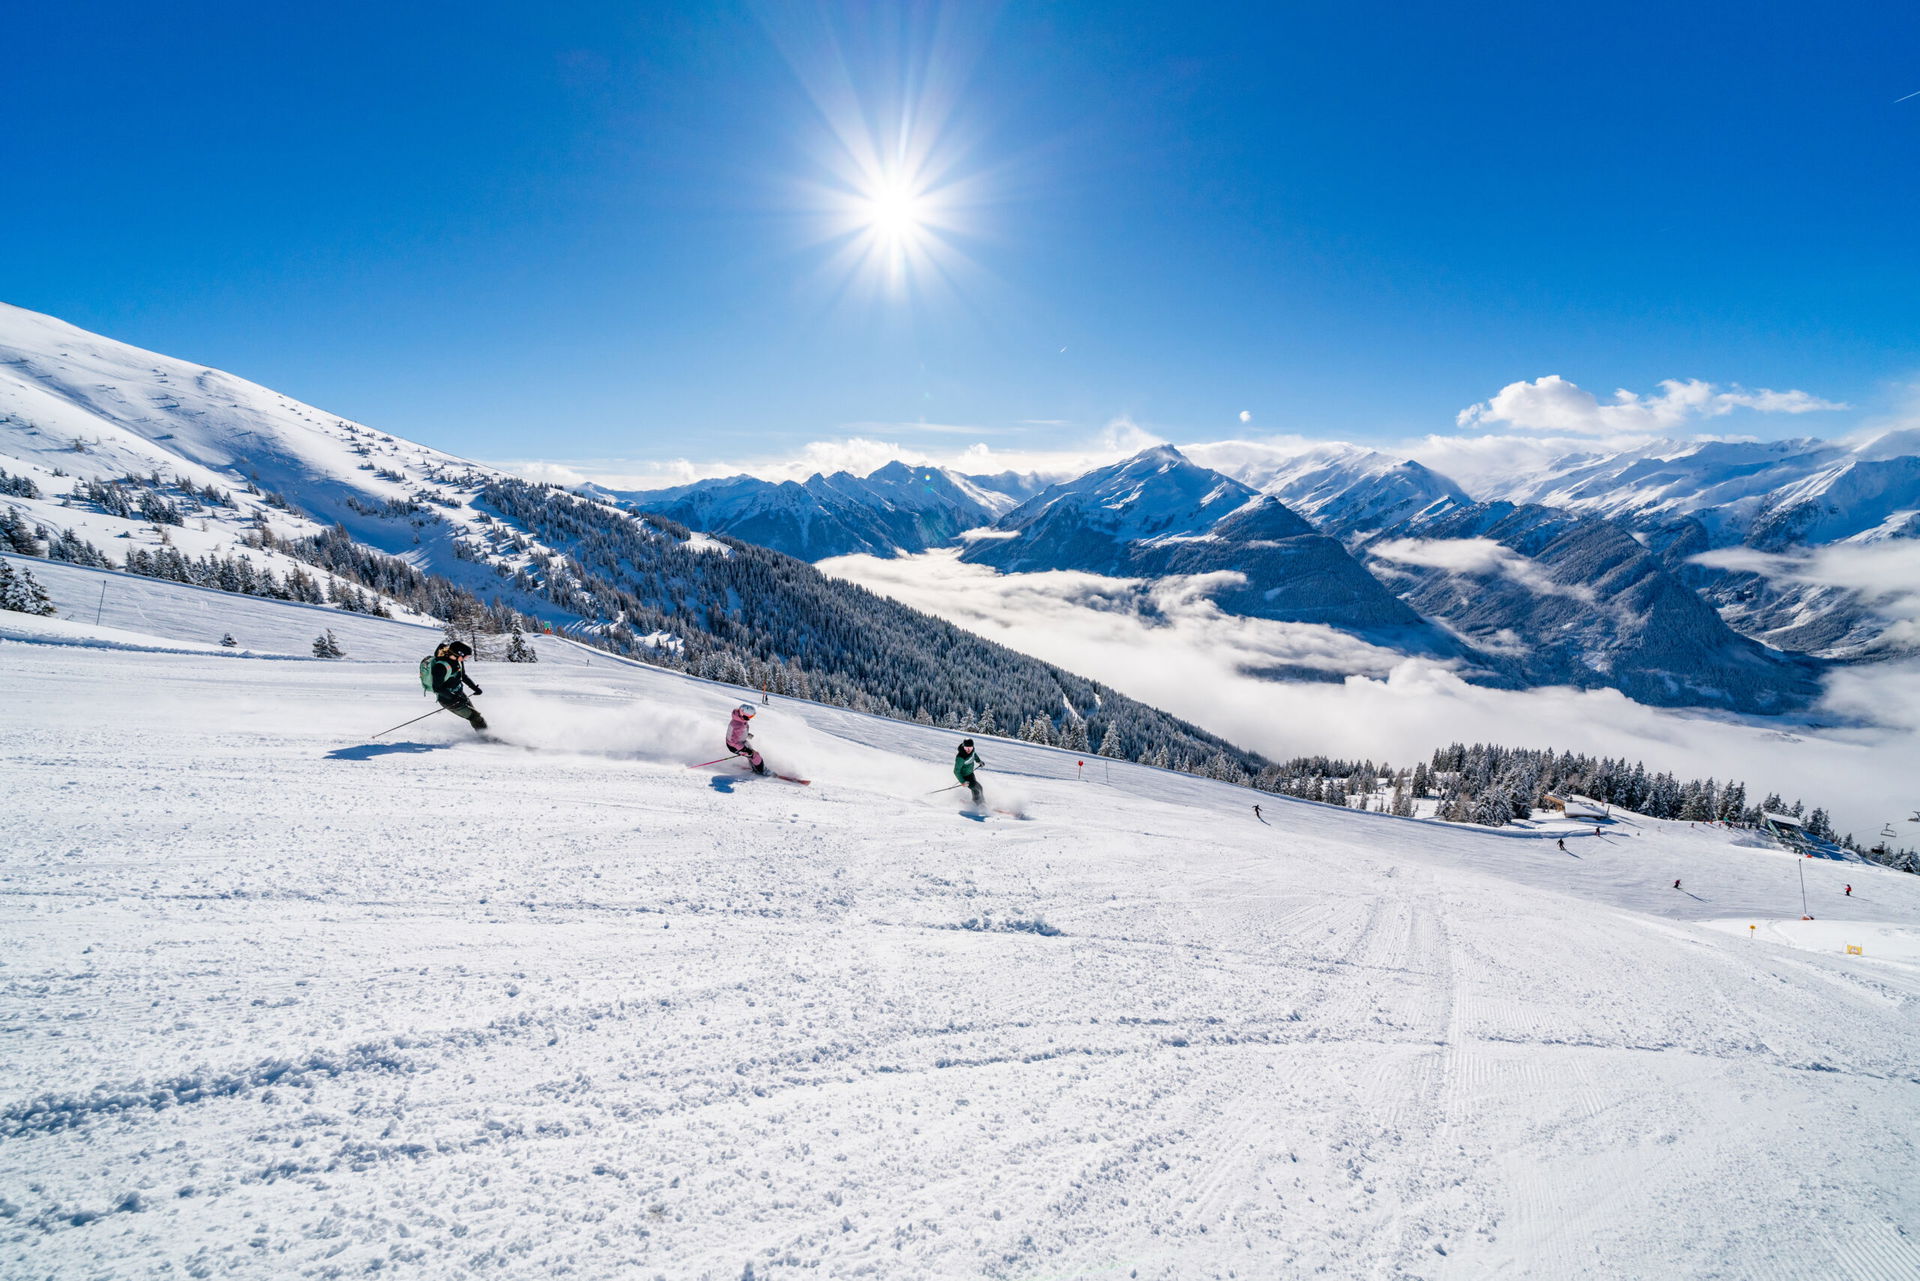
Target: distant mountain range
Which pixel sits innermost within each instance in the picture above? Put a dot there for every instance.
(894, 509)
(1585, 572)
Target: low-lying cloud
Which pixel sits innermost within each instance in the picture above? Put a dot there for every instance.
(1174, 649)
(1884, 575)
(1477, 556)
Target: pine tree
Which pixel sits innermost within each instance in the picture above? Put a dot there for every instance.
(518, 651)
(20, 592)
(325, 646)
(14, 534)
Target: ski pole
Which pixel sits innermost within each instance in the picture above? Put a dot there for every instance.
(403, 724)
(936, 791)
(715, 761)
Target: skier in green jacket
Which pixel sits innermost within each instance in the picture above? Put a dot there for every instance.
(447, 678)
(965, 762)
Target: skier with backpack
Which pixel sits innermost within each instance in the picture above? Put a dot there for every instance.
(965, 762)
(444, 675)
(740, 738)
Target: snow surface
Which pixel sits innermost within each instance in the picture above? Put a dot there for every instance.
(282, 1000)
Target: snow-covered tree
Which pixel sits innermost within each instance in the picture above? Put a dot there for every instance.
(326, 646)
(20, 592)
(228, 642)
(14, 534)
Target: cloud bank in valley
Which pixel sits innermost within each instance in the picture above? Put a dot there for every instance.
(1169, 646)
(1884, 575)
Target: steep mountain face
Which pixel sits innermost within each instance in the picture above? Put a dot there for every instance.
(1764, 494)
(1569, 599)
(1157, 514)
(1348, 490)
(1780, 497)
(1289, 572)
(895, 509)
(1094, 522)
(151, 460)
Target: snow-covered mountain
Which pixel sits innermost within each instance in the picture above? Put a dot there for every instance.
(1159, 514)
(896, 508)
(1770, 495)
(1785, 498)
(1094, 522)
(1567, 599)
(1343, 489)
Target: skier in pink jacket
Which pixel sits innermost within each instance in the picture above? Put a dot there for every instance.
(740, 738)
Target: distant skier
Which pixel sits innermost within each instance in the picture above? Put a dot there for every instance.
(1849, 891)
(1256, 813)
(446, 676)
(1676, 885)
(1562, 843)
(740, 738)
(965, 762)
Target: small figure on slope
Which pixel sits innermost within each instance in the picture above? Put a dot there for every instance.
(740, 738)
(965, 762)
(1676, 885)
(1849, 891)
(447, 679)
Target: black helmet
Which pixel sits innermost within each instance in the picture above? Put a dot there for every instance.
(460, 649)
(966, 744)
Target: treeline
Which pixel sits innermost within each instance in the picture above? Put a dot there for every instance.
(1491, 786)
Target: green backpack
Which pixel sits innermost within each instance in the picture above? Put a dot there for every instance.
(426, 674)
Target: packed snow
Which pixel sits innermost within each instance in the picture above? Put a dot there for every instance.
(287, 999)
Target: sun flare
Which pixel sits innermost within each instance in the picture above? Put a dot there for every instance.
(894, 212)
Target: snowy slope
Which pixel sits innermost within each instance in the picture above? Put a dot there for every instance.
(77, 406)
(284, 1002)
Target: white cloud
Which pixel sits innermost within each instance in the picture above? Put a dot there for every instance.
(1455, 555)
(1173, 649)
(1477, 556)
(1552, 404)
(1885, 575)
(1246, 415)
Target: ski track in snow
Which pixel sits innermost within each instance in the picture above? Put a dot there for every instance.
(281, 1000)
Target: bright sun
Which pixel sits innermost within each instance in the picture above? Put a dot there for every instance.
(894, 212)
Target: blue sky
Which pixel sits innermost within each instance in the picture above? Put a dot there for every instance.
(590, 230)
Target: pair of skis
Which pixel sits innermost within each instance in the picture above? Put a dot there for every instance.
(771, 773)
(992, 809)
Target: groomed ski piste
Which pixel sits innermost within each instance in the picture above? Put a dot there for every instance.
(283, 999)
